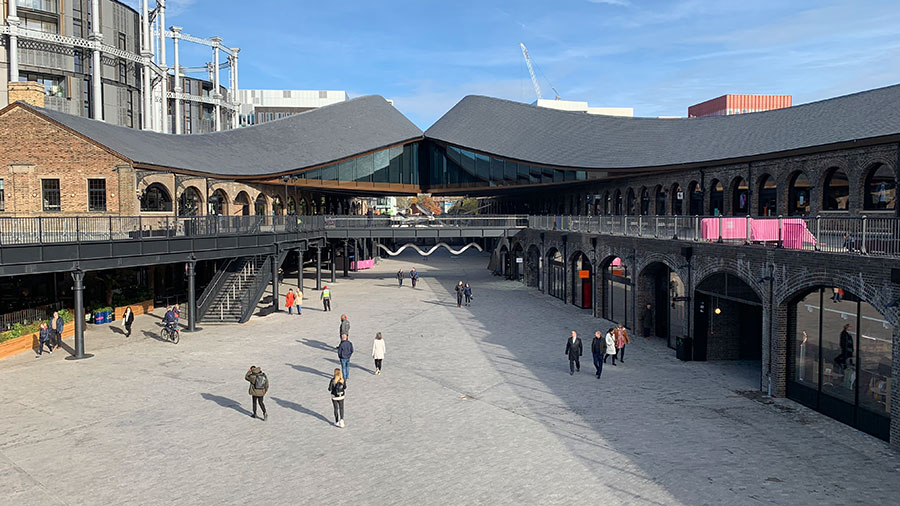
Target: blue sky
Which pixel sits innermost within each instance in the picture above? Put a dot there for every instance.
(656, 56)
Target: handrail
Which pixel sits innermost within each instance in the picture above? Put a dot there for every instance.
(215, 285)
(250, 295)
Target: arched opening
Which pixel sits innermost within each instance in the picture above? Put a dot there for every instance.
(716, 198)
(517, 262)
(533, 266)
(291, 206)
(695, 203)
(582, 281)
(618, 291)
(218, 203)
(768, 196)
(836, 194)
(630, 203)
(728, 321)
(645, 202)
(304, 207)
(556, 274)
(740, 197)
(190, 203)
(660, 201)
(798, 195)
(677, 200)
(663, 289)
(503, 259)
(840, 351)
(260, 206)
(242, 201)
(881, 189)
(618, 206)
(156, 198)
(607, 203)
(277, 206)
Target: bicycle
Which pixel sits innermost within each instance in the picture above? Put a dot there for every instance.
(172, 335)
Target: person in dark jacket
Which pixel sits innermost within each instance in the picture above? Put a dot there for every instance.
(467, 291)
(598, 349)
(400, 278)
(846, 344)
(259, 385)
(44, 338)
(56, 329)
(345, 326)
(337, 386)
(459, 293)
(128, 319)
(345, 349)
(647, 320)
(574, 351)
(414, 276)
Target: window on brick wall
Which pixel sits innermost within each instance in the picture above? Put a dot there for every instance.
(50, 194)
(96, 195)
(2, 197)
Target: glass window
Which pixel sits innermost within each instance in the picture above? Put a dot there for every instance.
(2, 197)
(396, 154)
(156, 199)
(189, 202)
(798, 195)
(482, 167)
(837, 191)
(804, 364)
(645, 202)
(39, 5)
(381, 169)
(741, 198)
(716, 199)
(50, 193)
(881, 189)
(97, 195)
(875, 355)
(497, 171)
(768, 196)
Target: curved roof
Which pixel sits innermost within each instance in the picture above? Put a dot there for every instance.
(578, 140)
(304, 140)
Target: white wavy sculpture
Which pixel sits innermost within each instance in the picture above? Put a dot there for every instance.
(432, 250)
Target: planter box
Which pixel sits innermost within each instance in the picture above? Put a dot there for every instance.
(138, 308)
(30, 342)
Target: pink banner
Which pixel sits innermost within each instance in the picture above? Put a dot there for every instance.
(793, 230)
(363, 264)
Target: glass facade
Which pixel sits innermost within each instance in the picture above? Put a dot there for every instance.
(396, 165)
(618, 290)
(840, 357)
(453, 167)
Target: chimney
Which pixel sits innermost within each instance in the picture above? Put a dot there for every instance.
(30, 92)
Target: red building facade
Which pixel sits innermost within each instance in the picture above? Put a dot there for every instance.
(726, 105)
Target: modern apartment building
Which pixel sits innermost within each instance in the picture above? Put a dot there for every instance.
(259, 106)
(53, 42)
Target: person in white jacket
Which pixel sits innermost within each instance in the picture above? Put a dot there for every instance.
(610, 346)
(378, 352)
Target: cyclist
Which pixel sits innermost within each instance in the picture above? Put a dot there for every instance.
(171, 319)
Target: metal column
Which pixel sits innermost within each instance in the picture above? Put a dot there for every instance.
(346, 258)
(300, 270)
(356, 255)
(234, 96)
(274, 281)
(13, 21)
(216, 94)
(164, 82)
(146, 81)
(192, 297)
(319, 268)
(333, 263)
(96, 63)
(78, 293)
(177, 88)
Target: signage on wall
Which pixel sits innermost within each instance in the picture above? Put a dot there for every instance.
(518, 260)
(584, 274)
(679, 195)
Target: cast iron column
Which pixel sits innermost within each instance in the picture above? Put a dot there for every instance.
(346, 258)
(356, 255)
(319, 268)
(78, 292)
(300, 270)
(333, 258)
(192, 297)
(274, 281)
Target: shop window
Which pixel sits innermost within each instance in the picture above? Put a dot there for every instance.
(881, 189)
(156, 198)
(837, 191)
(798, 195)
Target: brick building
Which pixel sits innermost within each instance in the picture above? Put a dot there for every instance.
(728, 105)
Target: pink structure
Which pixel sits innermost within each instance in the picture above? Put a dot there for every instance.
(362, 264)
(793, 233)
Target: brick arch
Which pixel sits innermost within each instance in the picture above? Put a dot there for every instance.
(823, 175)
(671, 261)
(788, 291)
(201, 206)
(731, 191)
(783, 190)
(756, 192)
(701, 274)
(865, 169)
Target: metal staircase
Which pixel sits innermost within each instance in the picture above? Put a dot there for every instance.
(234, 291)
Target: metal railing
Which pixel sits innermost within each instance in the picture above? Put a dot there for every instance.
(418, 221)
(876, 236)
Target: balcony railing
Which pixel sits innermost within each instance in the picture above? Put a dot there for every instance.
(877, 236)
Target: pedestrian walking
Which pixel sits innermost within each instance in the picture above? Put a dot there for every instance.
(289, 300)
(467, 291)
(845, 341)
(414, 276)
(326, 298)
(44, 338)
(621, 340)
(298, 302)
(459, 293)
(337, 387)
(378, 352)
(647, 320)
(127, 320)
(598, 349)
(400, 278)
(345, 349)
(574, 352)
(610, 346)
(56, 329)
(345, 327)
(259, 385)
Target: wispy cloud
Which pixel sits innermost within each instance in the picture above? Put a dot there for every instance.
(622, 3)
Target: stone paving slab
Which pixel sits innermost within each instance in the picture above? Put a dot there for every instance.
(475, 406)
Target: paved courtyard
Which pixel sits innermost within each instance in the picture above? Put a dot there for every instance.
(475, 406)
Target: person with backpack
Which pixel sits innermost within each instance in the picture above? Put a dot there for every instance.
(400, 278)
(289, 301)
(459, 293)
(337, 386)
(326, 298)
(127, 320)
(467, 291)
(344, 350)
(598, 349)
(378, 352)
(44, 338)
(259, 385)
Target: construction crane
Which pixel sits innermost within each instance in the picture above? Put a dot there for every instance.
(534, 81)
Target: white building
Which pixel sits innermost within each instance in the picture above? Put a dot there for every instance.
(259, 106)
(578, 106)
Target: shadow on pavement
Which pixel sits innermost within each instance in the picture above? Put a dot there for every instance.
(300, 409)
(352, 365)
(310, 370)
(225, 402)
(312, 343)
